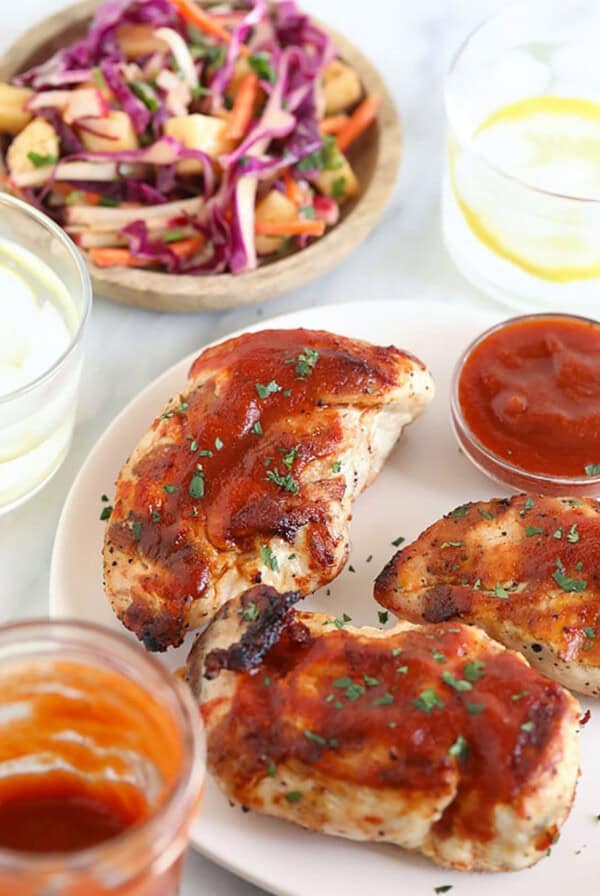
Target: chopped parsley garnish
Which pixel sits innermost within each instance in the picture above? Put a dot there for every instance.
(340, 621)
(500, 591)
(315, 738)
(384, 700)
(590, 470)
(294, 796)
(194, 445)
(39, 160)
(351, 690)
(474, 670)
(271, 769)
(474, 708)
(106, 512)
(351, 568)
(398, 541)
(559, 533)
(485, 514)
(265, 390)
(251, 613)
(589, 632)
(196, 488)
(565, 582)
(370, 682)
(428, 700)
(527, 726)
(336, 467)
(459, 684)
(459, 748)
(218, 444)
(307, 211)
(260, 63)
(257, 429)
(383, 616)
(444, 888)
(461, 511)
(291, 556)
(267, 681)
(519, 696)
(198, 91)
(401, 670)
(268, 557)
(305, 362)
(396, 651)
(451, 544)
(109, 202)
(137, 530)
(74, 197)
(438, 656)
(205, 452)
(530, 531)
(171, 489)
(328, 157)
(291, 456)
(155, 516)
(573, 535)
(104, 499)
(529, 505)
(286, 483)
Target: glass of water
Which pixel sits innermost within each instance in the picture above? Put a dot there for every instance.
(45, 301)
(521, 196)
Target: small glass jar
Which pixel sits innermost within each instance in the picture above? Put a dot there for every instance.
(102, 763)
(46, 301)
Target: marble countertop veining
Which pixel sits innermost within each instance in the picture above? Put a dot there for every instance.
(412, 42)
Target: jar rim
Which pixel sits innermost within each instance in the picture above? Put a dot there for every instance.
(157, 837)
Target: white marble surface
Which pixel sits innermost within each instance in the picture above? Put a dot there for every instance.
(411, 41)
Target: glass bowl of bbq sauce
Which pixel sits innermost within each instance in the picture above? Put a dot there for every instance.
(525, 404)
(102, 763)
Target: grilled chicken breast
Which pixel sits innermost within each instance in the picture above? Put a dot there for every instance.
(249, 475)
(525, 569)
(432, 737)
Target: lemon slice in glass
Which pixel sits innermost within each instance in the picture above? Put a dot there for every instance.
(551, 144)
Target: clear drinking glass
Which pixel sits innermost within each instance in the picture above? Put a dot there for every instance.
(88, 719)
(45, 300)
(521, 194)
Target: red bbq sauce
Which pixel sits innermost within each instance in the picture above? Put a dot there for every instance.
(529, 393)
(393, 719)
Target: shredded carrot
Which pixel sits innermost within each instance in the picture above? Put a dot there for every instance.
(243, 107)
(296, 227)
(188, 10)
(333, 124)
(292, 189)
(358, 122)
(109, 258)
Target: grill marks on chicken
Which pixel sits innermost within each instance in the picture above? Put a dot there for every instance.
(249, 475)
(432, 737)
(525, 569)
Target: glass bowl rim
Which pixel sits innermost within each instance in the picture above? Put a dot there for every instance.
(467, 139)
(46, 222)
(504, 466)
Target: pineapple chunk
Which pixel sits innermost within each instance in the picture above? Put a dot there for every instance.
(37, 138)
(338, 179)
(201, 132)
(341, 87)
(139, 40)
(116, 126)
(274, 207)
(13, 115)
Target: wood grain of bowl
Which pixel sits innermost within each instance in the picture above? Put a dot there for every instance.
(375, 158)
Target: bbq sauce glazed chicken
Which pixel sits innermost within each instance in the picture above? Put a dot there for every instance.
(432, 737)
(249, 474)
(525, 569)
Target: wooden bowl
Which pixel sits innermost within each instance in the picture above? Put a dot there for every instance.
(375, 158)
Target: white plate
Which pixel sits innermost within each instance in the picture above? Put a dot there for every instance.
(425, 477)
